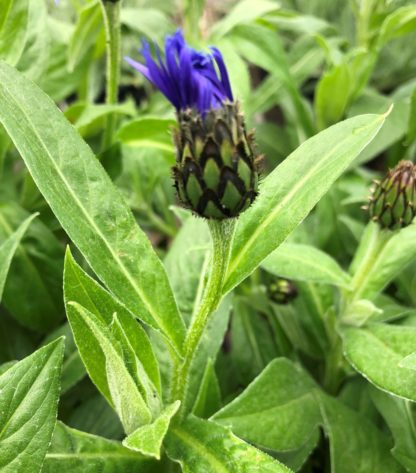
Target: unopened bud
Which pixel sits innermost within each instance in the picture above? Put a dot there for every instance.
(393, 201)
(282, 291)
(216, 172)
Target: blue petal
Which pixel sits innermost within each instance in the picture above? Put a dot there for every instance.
(188, 78)
(225, 80)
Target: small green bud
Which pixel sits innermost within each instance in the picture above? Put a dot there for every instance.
(282, 291)
(216, 174)
(393, 201)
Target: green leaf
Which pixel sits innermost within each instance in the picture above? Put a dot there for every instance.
(332, 95)
(208, 400)
(381, 256)
(243, 12)
(89, 118)
(398, 415)
(411, 127)
(9, 247)
(147, 21)
(359, 312)
(207, 350)
(81, 288)
(409, 362)
(201, 446)
(13, 30)
(376, 352)
(148, 439)
(402, 21)
(87, 204)
(289, 193)
(115, 383)
(148, 132)
(305, 263)
(73, 451)
(128, 338)
(263, 47)
(187, 264)
(87, 28)
(33, 290)
(277, 411)
(34, 60)
(28, 405)
(356, 445)
(393, 129)
(73, 369)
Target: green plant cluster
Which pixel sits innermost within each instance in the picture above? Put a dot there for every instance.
(137, 337)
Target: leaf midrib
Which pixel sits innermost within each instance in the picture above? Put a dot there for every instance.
(236, 260)
(284, 405)
(92, 223)
(200, 447)
(341, 277)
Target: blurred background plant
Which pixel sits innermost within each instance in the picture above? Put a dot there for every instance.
(297, 66)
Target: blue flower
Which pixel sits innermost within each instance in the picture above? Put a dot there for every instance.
(188, 78)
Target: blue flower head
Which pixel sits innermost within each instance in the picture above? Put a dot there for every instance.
(188, 78)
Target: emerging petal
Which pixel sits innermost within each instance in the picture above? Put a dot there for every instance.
(188, 78)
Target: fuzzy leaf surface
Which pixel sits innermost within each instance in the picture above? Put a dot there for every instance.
(81, 288)
(355, 442)
(8, 248)
(201, 446)
(73, 451)
(305, 263)
(87, 204)
(28, 405)
(116, 383)
(377, 351)
(290, 192)
(277, 411)
(148, 439)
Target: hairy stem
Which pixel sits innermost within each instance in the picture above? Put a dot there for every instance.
(111, 15)
(221, 233)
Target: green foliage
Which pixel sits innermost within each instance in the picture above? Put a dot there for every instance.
(28, 406)
(178, 354)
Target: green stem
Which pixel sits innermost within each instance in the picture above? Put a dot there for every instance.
(222, 236)
(333, 368)
(111, 15)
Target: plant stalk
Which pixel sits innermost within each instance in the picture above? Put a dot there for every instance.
(111, 15)
(222, 235)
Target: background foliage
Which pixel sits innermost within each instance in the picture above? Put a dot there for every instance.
(324, 383)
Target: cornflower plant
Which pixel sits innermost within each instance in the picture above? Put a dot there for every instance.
(220, 313)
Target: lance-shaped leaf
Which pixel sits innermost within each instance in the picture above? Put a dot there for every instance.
(116, 384)
(73, 451)
(201, 446)
(148, 438)
(128, 335)
(356, 444)
(399, 417)
(305, 263)
(377, 352)
(87, 204)
(277, 411)
(380, 257)
(290, 192)
(28, 403)
(8, 248)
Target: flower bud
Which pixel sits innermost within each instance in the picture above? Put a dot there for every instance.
(216, 172)
(282, 291)
(216, 166)
(393, 201)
